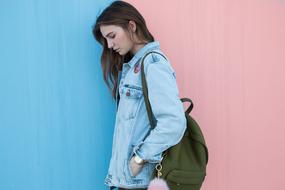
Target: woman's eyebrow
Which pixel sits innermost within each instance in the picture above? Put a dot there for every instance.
(108, 34)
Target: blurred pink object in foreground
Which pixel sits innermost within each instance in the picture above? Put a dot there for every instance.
(158, 184)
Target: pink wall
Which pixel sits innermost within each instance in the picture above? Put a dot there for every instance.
(229, 57)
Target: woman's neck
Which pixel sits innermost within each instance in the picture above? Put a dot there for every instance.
(137, 47)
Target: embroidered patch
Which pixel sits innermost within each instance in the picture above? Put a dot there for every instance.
(137, 68)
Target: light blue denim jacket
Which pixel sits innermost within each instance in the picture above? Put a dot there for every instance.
(132, 124)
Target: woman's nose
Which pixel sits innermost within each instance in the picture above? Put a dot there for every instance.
(110, 44)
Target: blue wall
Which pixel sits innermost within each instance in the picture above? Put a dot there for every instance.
(56, 114)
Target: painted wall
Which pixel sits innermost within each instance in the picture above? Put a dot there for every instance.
(230, 59)
(57, 116)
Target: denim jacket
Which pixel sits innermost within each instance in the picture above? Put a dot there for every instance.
(132, 124)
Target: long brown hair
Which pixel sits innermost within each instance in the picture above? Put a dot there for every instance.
(118, 13)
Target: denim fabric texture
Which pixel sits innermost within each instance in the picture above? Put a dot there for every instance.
(132, 124)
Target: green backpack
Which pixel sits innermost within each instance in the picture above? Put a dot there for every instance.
(184, 165)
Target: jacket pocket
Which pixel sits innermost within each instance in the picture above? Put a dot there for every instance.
(142, 175)
(185, 180)
(131, 96)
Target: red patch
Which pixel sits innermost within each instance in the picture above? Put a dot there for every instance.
(137, 68)
(128, 93)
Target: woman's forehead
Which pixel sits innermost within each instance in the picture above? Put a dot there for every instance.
(106, 29)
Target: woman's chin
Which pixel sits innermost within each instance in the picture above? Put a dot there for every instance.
(121, 53)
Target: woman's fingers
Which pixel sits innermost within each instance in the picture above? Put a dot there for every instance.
(135, 168)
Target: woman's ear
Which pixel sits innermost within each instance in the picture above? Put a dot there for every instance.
(132, 26)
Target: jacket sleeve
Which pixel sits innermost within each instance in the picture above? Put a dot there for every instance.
(167, 109)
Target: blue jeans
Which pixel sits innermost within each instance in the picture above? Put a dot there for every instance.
(111, 188)
(130, 189)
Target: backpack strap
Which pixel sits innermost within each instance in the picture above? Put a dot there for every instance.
(189, 109)
(150, 114)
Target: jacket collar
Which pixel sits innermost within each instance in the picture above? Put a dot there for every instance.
(148, 47)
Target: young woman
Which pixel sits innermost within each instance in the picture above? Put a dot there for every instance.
(125, 38)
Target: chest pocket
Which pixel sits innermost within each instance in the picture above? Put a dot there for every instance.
(131, 96)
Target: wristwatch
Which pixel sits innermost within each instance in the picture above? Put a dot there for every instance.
(138, 160)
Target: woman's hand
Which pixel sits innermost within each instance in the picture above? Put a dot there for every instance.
(134, 167)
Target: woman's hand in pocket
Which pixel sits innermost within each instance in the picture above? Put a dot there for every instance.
(134, 167)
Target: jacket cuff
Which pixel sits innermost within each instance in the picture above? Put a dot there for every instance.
(153, 159)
